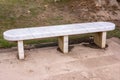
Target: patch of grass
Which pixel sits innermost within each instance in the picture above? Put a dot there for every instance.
(54, 20)
(115, 33)
(16, 12)
(6, 44)
(58, 1)
(36, 10)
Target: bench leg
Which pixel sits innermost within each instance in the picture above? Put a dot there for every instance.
(63, 43)
(100, 39)
(20, 50)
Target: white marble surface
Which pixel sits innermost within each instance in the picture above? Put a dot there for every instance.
(57, 30)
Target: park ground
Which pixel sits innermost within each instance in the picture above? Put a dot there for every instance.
(47, 63)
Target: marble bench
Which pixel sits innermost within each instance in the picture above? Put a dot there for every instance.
(60, 31)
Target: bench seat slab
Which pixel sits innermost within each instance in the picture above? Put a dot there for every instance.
(58, 30)
(63, 43)
(100, 39)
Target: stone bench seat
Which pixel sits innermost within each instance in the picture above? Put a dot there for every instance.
(60, 31)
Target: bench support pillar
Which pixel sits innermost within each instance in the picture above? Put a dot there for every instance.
(20, 50)
(100, 39)
(63, 43)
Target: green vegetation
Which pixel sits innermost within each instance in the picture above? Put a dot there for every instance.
(115, 33)
(29, 13)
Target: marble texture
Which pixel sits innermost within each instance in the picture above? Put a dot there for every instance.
(57, 30)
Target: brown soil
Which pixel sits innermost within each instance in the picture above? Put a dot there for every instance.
(83, 11)
(74, 11)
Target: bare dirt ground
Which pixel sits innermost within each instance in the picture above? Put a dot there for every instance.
(82, 63)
